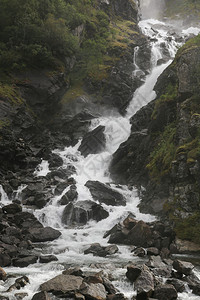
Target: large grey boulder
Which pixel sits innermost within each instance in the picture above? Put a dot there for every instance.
(144, 284)
(62, 284)
(43, 234)
(105, 194)
(165, 292)
(93, 291)
(140, 235)
(83, 211)
(93, 142)
(183, 267)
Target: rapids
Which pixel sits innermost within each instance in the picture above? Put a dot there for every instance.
(70, 246)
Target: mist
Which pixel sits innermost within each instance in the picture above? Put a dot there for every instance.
(151, 8)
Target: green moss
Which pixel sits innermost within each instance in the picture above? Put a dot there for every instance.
(188, 228)
(4, 123)
(74, 92)
(10, 93)
(169, 95)
(182, 8)
(164, 153)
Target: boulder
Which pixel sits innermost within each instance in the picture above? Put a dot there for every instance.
(41, 296)
(109, 286)
(47, 258)
(93, 291)
(93, 142)
(73, 271)
(25, 261)
(165, 292)
(104, 194)
(155, 262)
(183, 267)
(62, 284)
(178, 284)
(98, 250)
(3, 274)
(20, 296)
(55, 161)
(83, 211)
(5, 259)
(144, 284)
(133, 272)
(140, 235)
(152, 251)
(44, 234)
(129, 222)
(69, 196)
(19, 283)
(12, 208)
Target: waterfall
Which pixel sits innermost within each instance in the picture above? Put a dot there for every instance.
(69, 248)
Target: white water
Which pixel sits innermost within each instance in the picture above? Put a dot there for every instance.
(70, 246)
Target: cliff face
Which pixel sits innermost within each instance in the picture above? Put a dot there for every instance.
(163, 152)
(32, 116)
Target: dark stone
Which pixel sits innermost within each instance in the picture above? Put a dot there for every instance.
(83, 211)
(93, 142)
(5, 259)
(144, 284)
(41, 296)
(55, 161)
(133, 272)
(140, 252)
(47, 258)
(73, 271)
(104, 194)
(152, 251)
(44, 234)
(25, 261)
(178, 284)
(165, 292)
(183, 267)
(97, 250)
(12, 208)
(140, 235)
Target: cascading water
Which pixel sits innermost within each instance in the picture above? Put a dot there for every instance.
(69, 248)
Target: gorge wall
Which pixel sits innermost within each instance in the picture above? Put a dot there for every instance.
(162, 154)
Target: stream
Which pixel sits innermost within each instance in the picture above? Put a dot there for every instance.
(69, 247)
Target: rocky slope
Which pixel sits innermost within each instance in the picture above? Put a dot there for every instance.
(162, 154)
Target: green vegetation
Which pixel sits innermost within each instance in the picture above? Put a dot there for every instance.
(164, 153)
(169, 95)
(182, 8)
(188, 228)
(10, 93)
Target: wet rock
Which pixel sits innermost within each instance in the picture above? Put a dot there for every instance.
(178, 284)
(83, 211)
(73, 271)
(133, 272)
(43, 234)
(93, 291)
(152, 251)
(47, 258)
(93, 142)
(25, 261)
(3, 274)
(12, 208)
(26, 220)
(165, 292)
(20, 296)
(79, 296)
(183, 267)
(110, 289)
(55, 161)
(69, 196)
(11, 250)
(60, 188)
(140, 235)
(140, 252)
(5, 259)
(156, 262)
(144, 284)
(19, 283)
(104, 194)
(62, 284)
(3, 298)
(41, 296)
(129, 222)
(97, 250)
